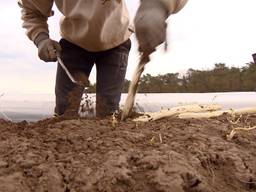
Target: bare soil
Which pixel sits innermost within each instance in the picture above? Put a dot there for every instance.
(170, 155)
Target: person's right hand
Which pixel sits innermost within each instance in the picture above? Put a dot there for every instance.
(150, 25)
(48, 49)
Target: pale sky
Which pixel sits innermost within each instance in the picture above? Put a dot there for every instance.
(205, 32)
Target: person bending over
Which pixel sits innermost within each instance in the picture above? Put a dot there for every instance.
(95, 32)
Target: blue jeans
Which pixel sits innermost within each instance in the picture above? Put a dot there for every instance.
(111, 69)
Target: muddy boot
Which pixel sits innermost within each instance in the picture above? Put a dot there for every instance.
(105, 106)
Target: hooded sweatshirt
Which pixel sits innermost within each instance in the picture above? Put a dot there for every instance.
(95, 25)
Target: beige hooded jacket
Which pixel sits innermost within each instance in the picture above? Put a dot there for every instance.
(94, 25)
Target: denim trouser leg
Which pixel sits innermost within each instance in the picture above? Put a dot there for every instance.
(75, 59)
(111, 69)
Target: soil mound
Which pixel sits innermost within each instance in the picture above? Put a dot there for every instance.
(171, 155)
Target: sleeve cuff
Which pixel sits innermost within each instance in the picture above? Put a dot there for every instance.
(40, 37)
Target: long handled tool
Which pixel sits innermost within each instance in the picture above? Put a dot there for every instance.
(129, 102)
(71, 77)
(67, 71)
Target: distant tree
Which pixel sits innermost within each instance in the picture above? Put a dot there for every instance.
(220, 79)
(248, 77)
(126, 86)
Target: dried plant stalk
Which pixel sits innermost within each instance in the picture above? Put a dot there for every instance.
(129, 102)
(243, 111)
(237, 130)
(175, 111)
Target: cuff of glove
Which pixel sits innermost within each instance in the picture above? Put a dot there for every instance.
(40, 38)
(165, 9)
(158, 5)
(174, 6)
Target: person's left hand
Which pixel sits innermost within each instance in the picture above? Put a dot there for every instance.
(150, 25)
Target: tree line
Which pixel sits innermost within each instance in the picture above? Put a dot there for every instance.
(219, 79)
